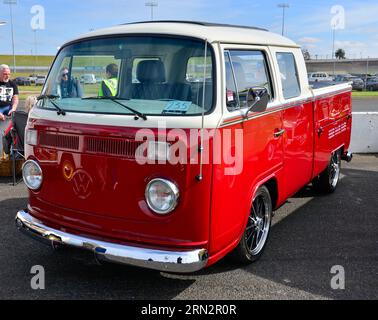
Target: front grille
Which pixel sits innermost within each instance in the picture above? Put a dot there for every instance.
(59, 141)
(112, 146)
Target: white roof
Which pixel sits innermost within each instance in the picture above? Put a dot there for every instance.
(201, 30)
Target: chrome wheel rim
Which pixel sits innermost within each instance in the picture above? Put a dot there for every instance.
(258, 225)
(334, 170)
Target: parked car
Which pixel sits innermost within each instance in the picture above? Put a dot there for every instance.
(23, 81)
(112, 179)
(319, 76)
(33, 78)
(372, 84)
(340, 77)
(99, 79)
(40, 81)
(88, 79)
(357, 83)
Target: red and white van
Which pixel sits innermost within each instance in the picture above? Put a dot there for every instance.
(210, 129)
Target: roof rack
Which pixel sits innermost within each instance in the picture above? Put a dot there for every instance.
(200, 23)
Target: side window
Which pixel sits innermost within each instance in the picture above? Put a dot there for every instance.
(136, 62)
(245, 69)
(195, 69)
(289, 75)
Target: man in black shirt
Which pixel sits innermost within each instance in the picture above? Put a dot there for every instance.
(8, 93)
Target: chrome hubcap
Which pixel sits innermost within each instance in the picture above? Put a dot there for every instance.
(258, 225)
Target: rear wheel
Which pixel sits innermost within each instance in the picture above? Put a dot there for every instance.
(328, 180)
(255, 236)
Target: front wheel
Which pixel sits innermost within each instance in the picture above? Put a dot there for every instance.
(328, 180)
(255, 236)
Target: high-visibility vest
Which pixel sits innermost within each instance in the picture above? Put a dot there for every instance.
(111, 84)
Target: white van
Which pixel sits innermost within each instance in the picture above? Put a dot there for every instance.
(319, 76)
(88, 79)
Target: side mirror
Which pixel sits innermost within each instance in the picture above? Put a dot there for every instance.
(257, 100)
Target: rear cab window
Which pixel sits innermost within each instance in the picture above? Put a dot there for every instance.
(289, 75)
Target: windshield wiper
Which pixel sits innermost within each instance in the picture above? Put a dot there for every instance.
(51, 98)
(135, 112)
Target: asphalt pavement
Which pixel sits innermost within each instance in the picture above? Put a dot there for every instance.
(310, 234)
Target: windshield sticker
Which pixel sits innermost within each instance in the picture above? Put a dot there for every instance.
(177, 107)
(230, 96)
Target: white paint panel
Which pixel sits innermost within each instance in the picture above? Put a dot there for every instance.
(364, 132)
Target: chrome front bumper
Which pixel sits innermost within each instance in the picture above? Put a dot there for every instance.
(169, 261)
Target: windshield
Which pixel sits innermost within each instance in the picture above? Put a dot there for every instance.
(152, 75)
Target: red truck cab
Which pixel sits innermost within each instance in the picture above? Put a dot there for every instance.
(199, 132)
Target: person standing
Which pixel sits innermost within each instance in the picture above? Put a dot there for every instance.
(8, 93)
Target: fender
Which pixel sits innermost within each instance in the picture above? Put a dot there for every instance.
(252, 198)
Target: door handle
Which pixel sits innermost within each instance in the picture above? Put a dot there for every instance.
(279, 133)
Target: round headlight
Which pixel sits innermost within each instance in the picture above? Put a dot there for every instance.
(32, 175)
(162, 196)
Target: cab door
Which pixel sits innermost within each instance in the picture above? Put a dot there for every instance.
(298, 124)
(245, 67)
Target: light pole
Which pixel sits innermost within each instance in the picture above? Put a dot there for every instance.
(283, 6)
(35, 50)
(152, 5)
(12, 2)
(367, 72)
(333, 51)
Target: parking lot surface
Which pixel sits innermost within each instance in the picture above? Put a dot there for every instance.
(310, 234)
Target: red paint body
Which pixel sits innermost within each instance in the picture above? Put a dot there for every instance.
(211, 214)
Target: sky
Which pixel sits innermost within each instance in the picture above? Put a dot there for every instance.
(307, 22)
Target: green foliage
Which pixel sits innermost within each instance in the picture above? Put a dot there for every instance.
(27, 61)
(340, 54)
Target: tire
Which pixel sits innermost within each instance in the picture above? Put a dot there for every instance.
(256, 233)
(328, 180)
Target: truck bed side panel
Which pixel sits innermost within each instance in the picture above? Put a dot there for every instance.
(332, 125)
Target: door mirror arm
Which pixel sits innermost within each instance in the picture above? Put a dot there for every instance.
(250, 108)
(257, 100)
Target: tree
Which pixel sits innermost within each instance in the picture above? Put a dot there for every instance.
(340, 54)
(306, 54)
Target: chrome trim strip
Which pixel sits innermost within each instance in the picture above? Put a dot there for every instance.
(162, 260)
(240, 119)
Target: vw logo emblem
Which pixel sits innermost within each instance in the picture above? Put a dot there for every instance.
(82, 184)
